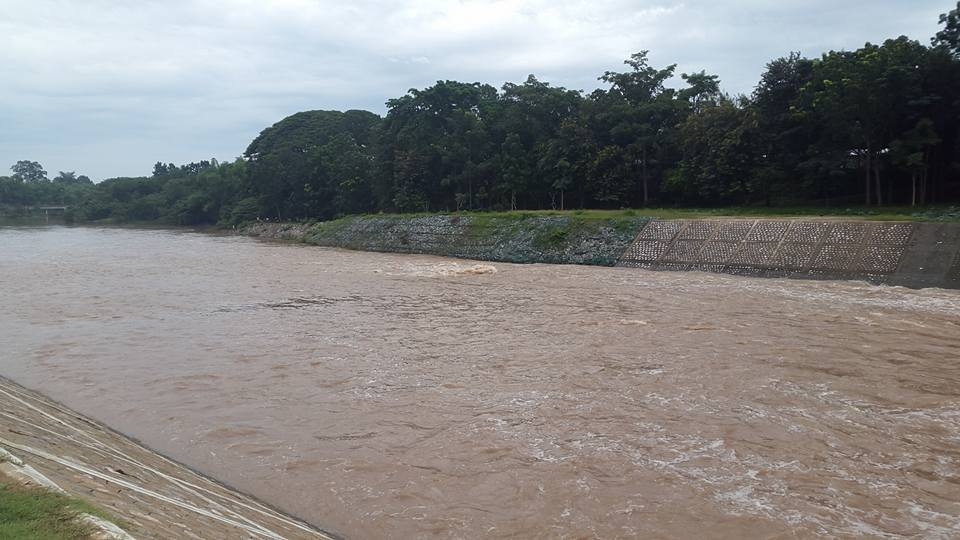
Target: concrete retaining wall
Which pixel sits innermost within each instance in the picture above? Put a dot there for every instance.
(896, 253)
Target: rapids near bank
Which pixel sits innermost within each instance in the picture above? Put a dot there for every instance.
(402, 396)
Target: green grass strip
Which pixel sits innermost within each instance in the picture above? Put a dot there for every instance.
(36, 514)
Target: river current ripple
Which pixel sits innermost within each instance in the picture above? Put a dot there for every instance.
(391, 396)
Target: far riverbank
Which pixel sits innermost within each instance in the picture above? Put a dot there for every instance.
(913, 254)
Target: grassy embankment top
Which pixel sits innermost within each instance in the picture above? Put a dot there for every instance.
(36, 514)
(891, 213)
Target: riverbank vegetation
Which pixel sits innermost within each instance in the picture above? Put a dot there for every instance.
(860, 130)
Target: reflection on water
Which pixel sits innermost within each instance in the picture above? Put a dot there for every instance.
(399, 396)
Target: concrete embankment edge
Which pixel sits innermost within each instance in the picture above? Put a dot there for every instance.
(895, 253)
(154, 496)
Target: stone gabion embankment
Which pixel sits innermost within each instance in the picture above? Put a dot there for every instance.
(518, 239)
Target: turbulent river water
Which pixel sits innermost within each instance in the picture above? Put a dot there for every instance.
(389, 396)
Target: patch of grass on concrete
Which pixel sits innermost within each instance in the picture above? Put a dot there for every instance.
(36, 514)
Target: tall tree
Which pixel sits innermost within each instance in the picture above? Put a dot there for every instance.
(530, 116)
(859, 100)
(29, 171)
(288, 171)
(784, 138)
(637, 116)
(433, 145)
(911, 152)
(70, 178)
(720, 156)
(949, 36)
(702, 90)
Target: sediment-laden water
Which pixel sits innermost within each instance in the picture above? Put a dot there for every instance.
(386, 396)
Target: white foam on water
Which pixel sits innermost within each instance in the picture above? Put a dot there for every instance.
(446, 270)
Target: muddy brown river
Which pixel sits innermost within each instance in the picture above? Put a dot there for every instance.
(389, 396)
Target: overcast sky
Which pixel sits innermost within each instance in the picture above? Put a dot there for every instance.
(107, 88)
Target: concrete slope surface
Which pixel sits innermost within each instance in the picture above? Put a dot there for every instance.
(893, 253)
(152, 496)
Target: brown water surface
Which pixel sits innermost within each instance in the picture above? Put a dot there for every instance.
(387, 396)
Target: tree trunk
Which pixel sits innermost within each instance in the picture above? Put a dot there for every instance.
(913, 196)
(876, 176)
(932, 190)
(646, 194)
(923, 185)
(868, 171)
(924, 176)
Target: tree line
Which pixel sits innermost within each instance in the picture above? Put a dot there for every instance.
(876, 126)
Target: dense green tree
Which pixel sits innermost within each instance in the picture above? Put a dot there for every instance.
(702, 90)
(29, 171)
(786, 138)
(293, 172)
(71, 178)
(858, 101)
(530, 116)
(721, 153)
(911, 152)
(437, 146)
(11, 192)
(949, 37)
(634, 122)
(642, 83)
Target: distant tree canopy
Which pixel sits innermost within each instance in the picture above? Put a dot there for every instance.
(313, 164)
(878, 125)
(207, 192)
(29, 171)
(71, 178)
(949, 37)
